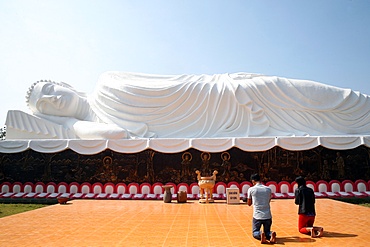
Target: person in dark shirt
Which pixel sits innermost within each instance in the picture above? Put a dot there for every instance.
(305, 198)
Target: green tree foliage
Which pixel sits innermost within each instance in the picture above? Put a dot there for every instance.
(3, 133)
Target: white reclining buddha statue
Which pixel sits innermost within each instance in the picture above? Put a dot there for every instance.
(135, 105)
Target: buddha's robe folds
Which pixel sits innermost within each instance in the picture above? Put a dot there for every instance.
(228, 105)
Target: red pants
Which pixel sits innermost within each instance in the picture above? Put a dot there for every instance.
(305, 221)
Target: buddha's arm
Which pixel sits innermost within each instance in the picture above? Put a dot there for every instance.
(21, 125)
(87, 129)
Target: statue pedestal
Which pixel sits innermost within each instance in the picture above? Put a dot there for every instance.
(206, 200)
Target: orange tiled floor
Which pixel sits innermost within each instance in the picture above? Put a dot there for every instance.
(154, 223)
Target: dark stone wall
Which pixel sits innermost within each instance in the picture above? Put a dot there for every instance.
(275, 164)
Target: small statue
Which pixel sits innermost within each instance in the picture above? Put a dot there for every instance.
(185, 164)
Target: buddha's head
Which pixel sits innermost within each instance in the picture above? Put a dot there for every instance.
(53, 98)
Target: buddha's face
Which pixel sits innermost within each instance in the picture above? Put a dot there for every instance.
(51, 99)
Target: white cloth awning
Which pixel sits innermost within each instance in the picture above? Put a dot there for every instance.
(252, 144)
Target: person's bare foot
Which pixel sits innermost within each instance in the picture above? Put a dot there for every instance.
(313, 233)
(320, 232)
(263, 238)
(273, 238)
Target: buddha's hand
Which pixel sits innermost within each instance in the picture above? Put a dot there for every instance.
(93, 130)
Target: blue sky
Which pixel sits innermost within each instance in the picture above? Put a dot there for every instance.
(76, 40)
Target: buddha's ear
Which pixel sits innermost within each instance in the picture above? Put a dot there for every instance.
(242, 96)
